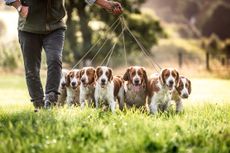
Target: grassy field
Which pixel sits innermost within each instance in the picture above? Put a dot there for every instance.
(203, 127)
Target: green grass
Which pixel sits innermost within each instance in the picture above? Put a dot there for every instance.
(204, 126)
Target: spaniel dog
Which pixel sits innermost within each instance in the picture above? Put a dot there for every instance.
(62, 88)
(182, 91)
(108, 88)
(135, 86)
(160, 88)
(87, 86)
(73, 87)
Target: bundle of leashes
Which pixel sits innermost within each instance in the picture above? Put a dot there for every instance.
(119, 21)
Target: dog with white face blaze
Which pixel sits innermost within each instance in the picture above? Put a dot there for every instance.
(135, 87)
(182, 91)
(87, 86)
(108, 89)
(160, 88)
(73, 87)
(62, 88)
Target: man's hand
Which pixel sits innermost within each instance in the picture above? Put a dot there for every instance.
(116, 8)
(113, 7)
(24, 9)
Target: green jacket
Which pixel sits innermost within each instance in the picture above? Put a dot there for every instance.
(44, 16)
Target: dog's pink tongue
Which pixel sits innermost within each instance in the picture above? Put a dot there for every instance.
(136, 88)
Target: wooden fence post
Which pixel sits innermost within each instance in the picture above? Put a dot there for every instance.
(180, 59)
(207, 60)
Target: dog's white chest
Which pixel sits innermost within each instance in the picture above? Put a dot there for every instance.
(103, 93)
(133, 97)
(163, 96)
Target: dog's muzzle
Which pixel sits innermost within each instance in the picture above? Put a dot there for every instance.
(170, 84)
(136, 82)
(103, 83)
(63, 84)
(184, 95)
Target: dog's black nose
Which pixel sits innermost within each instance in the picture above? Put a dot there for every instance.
(185, 96)
(171, 82)
(73, 83)
(103, 80)
(136, 81)
(63, 84)
(83, 80)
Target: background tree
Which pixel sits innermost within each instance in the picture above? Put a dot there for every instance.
(86, 24)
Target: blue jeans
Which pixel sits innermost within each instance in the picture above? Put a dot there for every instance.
(31, 46)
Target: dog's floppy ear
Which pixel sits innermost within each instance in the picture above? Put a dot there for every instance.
(67, 78)
(145, 75)
(96, 73)
(80, 73)
(126, 76)
(177, 77)
(110, 74)
(189, 86)
(161, 76)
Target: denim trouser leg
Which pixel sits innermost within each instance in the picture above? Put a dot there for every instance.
(53, 46)
(31, 46)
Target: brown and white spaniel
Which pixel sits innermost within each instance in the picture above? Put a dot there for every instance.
(182, 91)
(160, 88)
(108, 88)
(73, 87)
(135, 86)
(62, 88)
(87, 87)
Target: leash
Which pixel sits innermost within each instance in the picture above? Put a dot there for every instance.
(91, 48)
(119, 21)
(100, 49)
(143, 49)
(109, 54)
(123, 39)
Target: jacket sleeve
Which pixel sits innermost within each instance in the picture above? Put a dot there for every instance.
(8, 2)
(90, 2)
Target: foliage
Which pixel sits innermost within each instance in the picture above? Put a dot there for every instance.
(10, 55)
(204, 126)
(207, 17)
(81, 36)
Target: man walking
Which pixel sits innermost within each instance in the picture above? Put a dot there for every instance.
(41, 25)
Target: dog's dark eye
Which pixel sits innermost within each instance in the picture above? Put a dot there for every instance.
(186, 85)
(133, 73)
(139, 73)
(100, 72)
(107, 73)
(87, 72)
(167, 74)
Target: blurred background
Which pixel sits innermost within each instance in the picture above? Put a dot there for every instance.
(190, 35)
(186, 34)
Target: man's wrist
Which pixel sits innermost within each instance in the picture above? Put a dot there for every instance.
(19, 8)
(16, 4)
(90, 2)
(104, 4)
